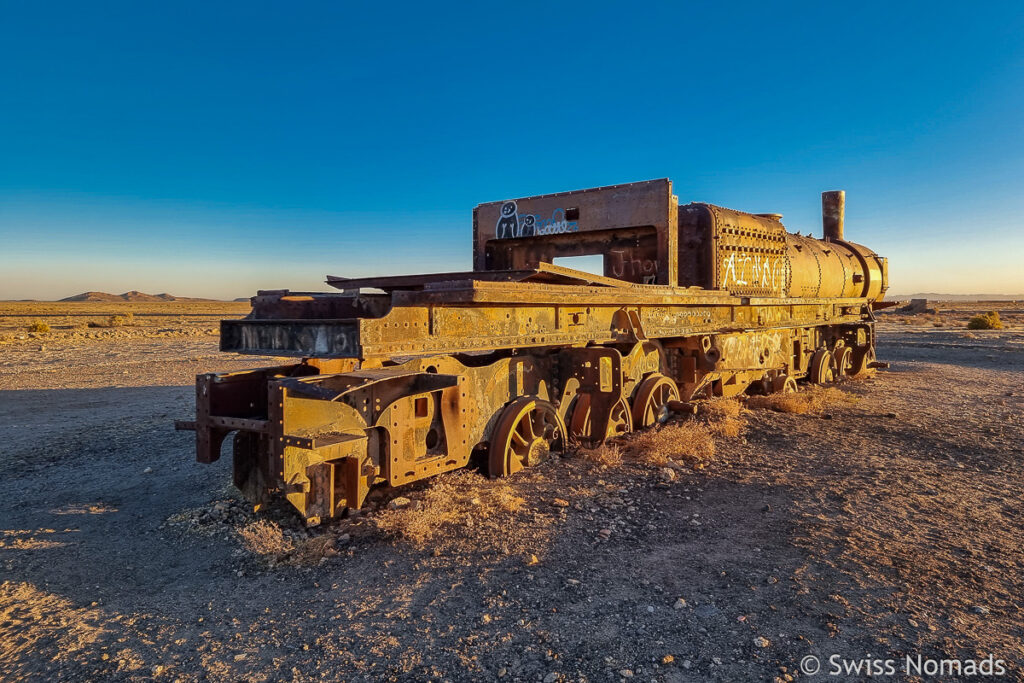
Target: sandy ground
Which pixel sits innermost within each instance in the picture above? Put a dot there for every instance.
(889, 525)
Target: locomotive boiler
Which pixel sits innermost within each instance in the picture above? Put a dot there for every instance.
(397, 378)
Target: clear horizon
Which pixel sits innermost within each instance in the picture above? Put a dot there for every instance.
(213, 150)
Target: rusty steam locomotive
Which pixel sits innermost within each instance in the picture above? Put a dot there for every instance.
(400, 378)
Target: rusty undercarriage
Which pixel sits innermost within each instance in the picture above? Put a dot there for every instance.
(401, 378)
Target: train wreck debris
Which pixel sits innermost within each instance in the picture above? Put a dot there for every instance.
(515, 358)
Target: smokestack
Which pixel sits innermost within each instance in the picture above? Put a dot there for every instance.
(833, 209)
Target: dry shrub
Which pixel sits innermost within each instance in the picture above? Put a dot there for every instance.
(812, 400)
(723, 417)
(122, 320)
(985, 321)
(39, 327)
(688, 440)
(605, 455)
(461, 498)
(729, 427)
(720, 409)
(266, 538)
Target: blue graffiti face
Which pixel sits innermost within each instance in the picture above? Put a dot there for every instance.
(508, 209)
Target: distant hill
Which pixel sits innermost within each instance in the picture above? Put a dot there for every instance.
(130, 296)
(956, 297)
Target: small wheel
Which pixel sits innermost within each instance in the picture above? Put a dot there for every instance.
(528, 430)
(650, 403)
(842, 360)
(619, 422)
(821, 367)
(783, 384)
(860, 358)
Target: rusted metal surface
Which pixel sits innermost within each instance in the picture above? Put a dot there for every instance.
(521, 355)
(833, 215)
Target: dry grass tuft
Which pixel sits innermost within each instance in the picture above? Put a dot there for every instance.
(39, 327)
(605, 455)
(728, 427)
(690, 440)
(723, 417)
(985, 321)
(812, 400)
(720, 409)
(266, 538)
(463, 498)
(122, 320)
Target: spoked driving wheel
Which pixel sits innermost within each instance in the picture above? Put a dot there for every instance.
(650, 405)
(821, 367)
(860, 360)
(528, 430)
(842, 361)
(619, 422)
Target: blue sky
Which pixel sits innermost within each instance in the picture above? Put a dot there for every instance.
(210, 149)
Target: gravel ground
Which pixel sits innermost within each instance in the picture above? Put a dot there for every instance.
(890, 525)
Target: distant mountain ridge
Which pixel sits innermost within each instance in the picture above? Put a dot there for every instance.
(956, 297)
(130, 296)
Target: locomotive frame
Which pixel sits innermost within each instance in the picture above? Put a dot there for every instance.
(513, 359)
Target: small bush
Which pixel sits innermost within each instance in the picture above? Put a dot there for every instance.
(458, 499)
(720, 409)
(985, 321)
(688, 440)
(266, 538)
(605, 455)
(812, 400)
(729, 427)
(39, 327)
(124, 320)
(121, 320)
(723, 417)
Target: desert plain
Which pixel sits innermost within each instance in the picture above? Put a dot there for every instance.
(882, 518)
